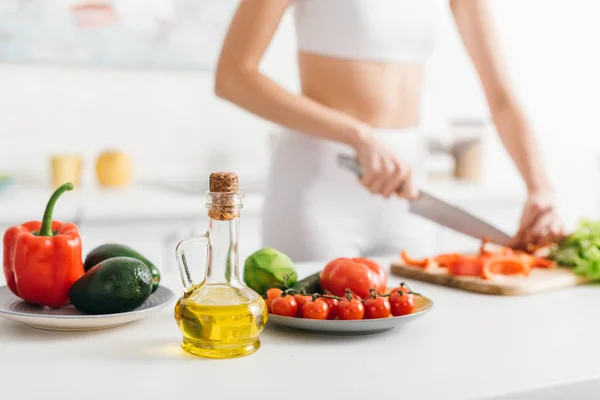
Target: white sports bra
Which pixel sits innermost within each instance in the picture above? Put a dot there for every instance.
(380, 30)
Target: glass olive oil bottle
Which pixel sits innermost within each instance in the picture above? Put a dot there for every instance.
(219, 317)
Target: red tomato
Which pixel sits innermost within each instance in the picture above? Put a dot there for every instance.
(285, 306)
(355, 274)
(394, 292)
(317, 309)
(301, 299)
(351, 309)
(378, 307)
(402, 304)
(333, 307)
(271, 294)
(402, 288)
(378, 269)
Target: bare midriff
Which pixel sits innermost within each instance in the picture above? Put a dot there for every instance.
(380, 94)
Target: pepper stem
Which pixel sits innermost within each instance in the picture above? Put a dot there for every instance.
(46, 229)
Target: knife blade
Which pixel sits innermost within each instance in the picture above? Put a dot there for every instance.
(441, 212)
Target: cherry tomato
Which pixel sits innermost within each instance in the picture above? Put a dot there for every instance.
(378, 307)
(300, 300)
(351, 309)
(285, 306)
(354, 296)
(394, 292)
(271, 294)
(333, 307)
(357, 274)
(402, 288)
(402, 304)
(317, 309)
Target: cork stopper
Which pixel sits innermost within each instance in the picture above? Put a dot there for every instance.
(223, 182)
(224, 199)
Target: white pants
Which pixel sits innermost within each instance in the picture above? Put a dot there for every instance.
(316, 211)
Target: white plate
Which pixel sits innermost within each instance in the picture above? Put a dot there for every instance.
(67, 318)
(359, 327)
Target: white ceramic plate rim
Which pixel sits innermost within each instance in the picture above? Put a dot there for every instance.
(170, 294)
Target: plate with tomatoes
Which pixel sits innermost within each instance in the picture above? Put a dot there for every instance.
(350, 296)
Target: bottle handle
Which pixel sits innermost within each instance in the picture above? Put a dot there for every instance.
(184, 270)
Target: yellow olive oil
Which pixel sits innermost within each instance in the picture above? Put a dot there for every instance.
(221, 321)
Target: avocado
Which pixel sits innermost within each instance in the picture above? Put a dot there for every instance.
(110, 250)
(119, 284)
(309, 285)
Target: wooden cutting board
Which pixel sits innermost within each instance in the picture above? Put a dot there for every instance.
(539, 280)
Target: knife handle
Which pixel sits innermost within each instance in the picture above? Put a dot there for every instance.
(352, 164)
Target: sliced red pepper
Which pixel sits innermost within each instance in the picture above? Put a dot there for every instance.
(465, 266)
(423, 263)
(543, 263)
(444, 259)
(532, 260)
(504, 265)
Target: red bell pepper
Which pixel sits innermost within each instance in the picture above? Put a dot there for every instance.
(43, 259)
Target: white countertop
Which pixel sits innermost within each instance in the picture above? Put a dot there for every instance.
(468, 347)
(19, 203)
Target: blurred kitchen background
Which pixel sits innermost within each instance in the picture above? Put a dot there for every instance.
(118, 95)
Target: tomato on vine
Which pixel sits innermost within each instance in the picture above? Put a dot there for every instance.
(284, 305)
(351, 310)
(317, 309)
(402, 288)
(333, 306)
(301, 299)
(272, 294)
(377, 307)
(402, 304)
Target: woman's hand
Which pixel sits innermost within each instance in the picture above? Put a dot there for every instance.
(540, 223)
(383, 172)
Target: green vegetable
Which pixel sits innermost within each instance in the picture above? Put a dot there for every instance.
(116, 285)
(268, 268)
(580, 250)
(111, 250)
(309, 285)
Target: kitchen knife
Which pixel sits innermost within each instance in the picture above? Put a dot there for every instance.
(442, 213)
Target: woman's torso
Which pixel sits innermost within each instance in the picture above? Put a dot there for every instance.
(365, 57)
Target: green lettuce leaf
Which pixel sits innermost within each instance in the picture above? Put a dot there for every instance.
(581, 250)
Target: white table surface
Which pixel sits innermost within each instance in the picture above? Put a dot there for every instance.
(468, 347)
